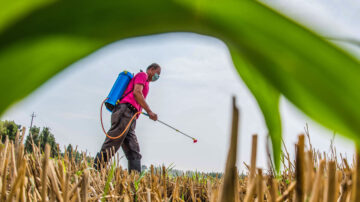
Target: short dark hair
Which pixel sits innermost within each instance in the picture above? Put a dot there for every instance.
(153, 66)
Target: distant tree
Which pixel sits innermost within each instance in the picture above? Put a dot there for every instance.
(32, 137)
(144, 168)
(76, 155)
(46, 137)
(40, 139)
(8, 129)
(69, 149)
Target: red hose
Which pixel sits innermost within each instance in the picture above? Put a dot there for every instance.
(126, 128)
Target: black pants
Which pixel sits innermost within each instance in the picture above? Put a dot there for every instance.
(120, 118)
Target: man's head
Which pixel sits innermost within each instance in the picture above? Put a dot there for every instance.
(153, 71)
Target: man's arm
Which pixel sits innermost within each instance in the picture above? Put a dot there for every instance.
(139, 97)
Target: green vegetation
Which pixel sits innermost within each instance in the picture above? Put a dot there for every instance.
(41, 139)
(8, 129)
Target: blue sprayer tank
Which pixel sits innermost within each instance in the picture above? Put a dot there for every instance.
(118, 89)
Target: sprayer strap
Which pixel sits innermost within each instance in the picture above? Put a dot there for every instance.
(118, 101)
(123, 96)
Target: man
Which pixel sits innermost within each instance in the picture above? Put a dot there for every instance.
(133, 101)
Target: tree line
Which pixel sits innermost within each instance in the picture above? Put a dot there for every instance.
(38, 137)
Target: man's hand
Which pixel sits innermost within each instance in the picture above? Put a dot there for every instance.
(153, 116)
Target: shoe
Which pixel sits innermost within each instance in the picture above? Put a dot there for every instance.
(134, 165)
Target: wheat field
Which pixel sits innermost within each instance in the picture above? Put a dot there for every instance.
(312, 176)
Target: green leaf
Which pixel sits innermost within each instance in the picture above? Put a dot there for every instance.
(11, 11)
(266, 96)
(64, 166)
(315, 75)
(346, 40)
(107, 184)
(136, 182)
(170, 167)
(51, 38)
(79, 172)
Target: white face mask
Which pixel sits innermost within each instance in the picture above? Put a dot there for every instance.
(155, 77)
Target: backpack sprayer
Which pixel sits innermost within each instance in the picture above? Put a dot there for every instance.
(116, 94)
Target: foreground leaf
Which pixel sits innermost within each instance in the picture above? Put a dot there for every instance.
(50, 39)
(12, 11)
(266, 96)
(317, 77)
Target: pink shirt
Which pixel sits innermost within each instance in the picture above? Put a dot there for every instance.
(139, 78)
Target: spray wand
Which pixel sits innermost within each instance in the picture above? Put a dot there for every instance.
(194, 139)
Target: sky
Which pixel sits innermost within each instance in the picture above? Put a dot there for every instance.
(193, 94)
